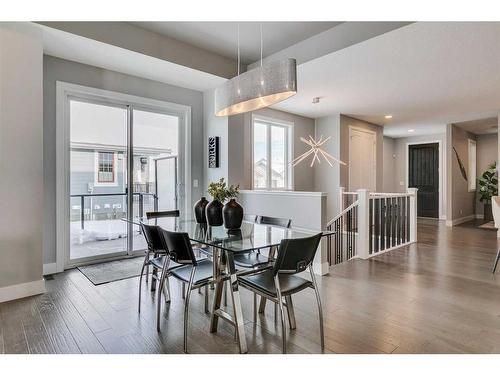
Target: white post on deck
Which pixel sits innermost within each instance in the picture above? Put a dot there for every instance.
(341, 198)
(363, 223)
(413, 213)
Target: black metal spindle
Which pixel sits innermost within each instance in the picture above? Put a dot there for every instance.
(82, 212)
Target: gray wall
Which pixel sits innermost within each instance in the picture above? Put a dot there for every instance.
(214, 126)
(55, 69)
(345, 123)
(21, 155)
(302, 127)
(326, 178)
(463, 201)
(236, 145)
(389, 165)
(487, 153)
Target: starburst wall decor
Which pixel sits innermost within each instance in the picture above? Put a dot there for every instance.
(315, 150)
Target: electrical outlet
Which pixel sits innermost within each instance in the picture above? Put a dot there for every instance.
(401, 183)
(195, 183)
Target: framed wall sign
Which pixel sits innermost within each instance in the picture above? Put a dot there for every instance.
(213, 152)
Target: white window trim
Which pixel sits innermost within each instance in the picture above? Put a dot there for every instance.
(472, 176)
(96, 170)
(64, 91)
(289, 175)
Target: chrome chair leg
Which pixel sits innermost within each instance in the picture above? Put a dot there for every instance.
(158, 301)
(140, 282)
(255, 307)
(320, 309)
(291, 313)
(183, 291)
(282, 312)
(225, 293)
(186, 309)
(262, 305)
(206, 299)
(496, 261)
(166, 291)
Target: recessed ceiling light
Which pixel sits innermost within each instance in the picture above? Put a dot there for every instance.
(388, 117)
(411, 130)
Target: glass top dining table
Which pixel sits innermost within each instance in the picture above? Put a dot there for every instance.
(251, 236)
(225, 244)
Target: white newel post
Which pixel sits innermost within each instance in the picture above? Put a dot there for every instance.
(413, 213)
(341, 198)
(363, 223)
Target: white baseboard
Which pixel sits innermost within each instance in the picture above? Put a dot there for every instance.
(460, 220)
(321, 268)
(49, 268)
(32, 288)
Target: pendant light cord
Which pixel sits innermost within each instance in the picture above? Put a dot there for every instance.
(238, 49)
(261, 44)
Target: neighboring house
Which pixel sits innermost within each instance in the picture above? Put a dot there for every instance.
(260, 169)
(101, 169)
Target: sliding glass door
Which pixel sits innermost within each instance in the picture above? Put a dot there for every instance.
(155, 143)
(123, 163)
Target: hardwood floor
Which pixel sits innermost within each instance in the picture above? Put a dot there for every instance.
(436, 296)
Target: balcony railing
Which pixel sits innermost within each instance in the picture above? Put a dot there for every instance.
(140, 196)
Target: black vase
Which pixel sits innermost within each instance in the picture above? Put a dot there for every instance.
(199, 211)
(213, 212)
(233, 214)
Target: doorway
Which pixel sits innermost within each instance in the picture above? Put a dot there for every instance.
(423, 174)
(362, 159)
(125, 156)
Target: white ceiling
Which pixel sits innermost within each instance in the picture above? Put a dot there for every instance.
(221, 37)
(425, 74)
(480, 126)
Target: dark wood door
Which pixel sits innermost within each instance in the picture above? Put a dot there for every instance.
(423, 174)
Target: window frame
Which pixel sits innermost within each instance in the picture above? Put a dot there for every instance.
(471, 166)
(96, 169)
(289, 175)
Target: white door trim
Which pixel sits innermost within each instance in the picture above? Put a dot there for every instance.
(372, 133)
(441, 190)
(63, 91)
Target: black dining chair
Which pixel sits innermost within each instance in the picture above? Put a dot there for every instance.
(154, 215)
(294, 256)
(156, 247)
(256, 259)
(195, 273)
(158, 214)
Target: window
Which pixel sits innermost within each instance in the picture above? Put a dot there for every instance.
(472, 165)
(271, 154)
(105, 168)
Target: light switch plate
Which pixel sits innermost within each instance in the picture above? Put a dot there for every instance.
(195, 183)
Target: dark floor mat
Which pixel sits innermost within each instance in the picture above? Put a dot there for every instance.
(103, 273)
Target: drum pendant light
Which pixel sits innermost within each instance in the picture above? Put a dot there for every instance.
(258, 88)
